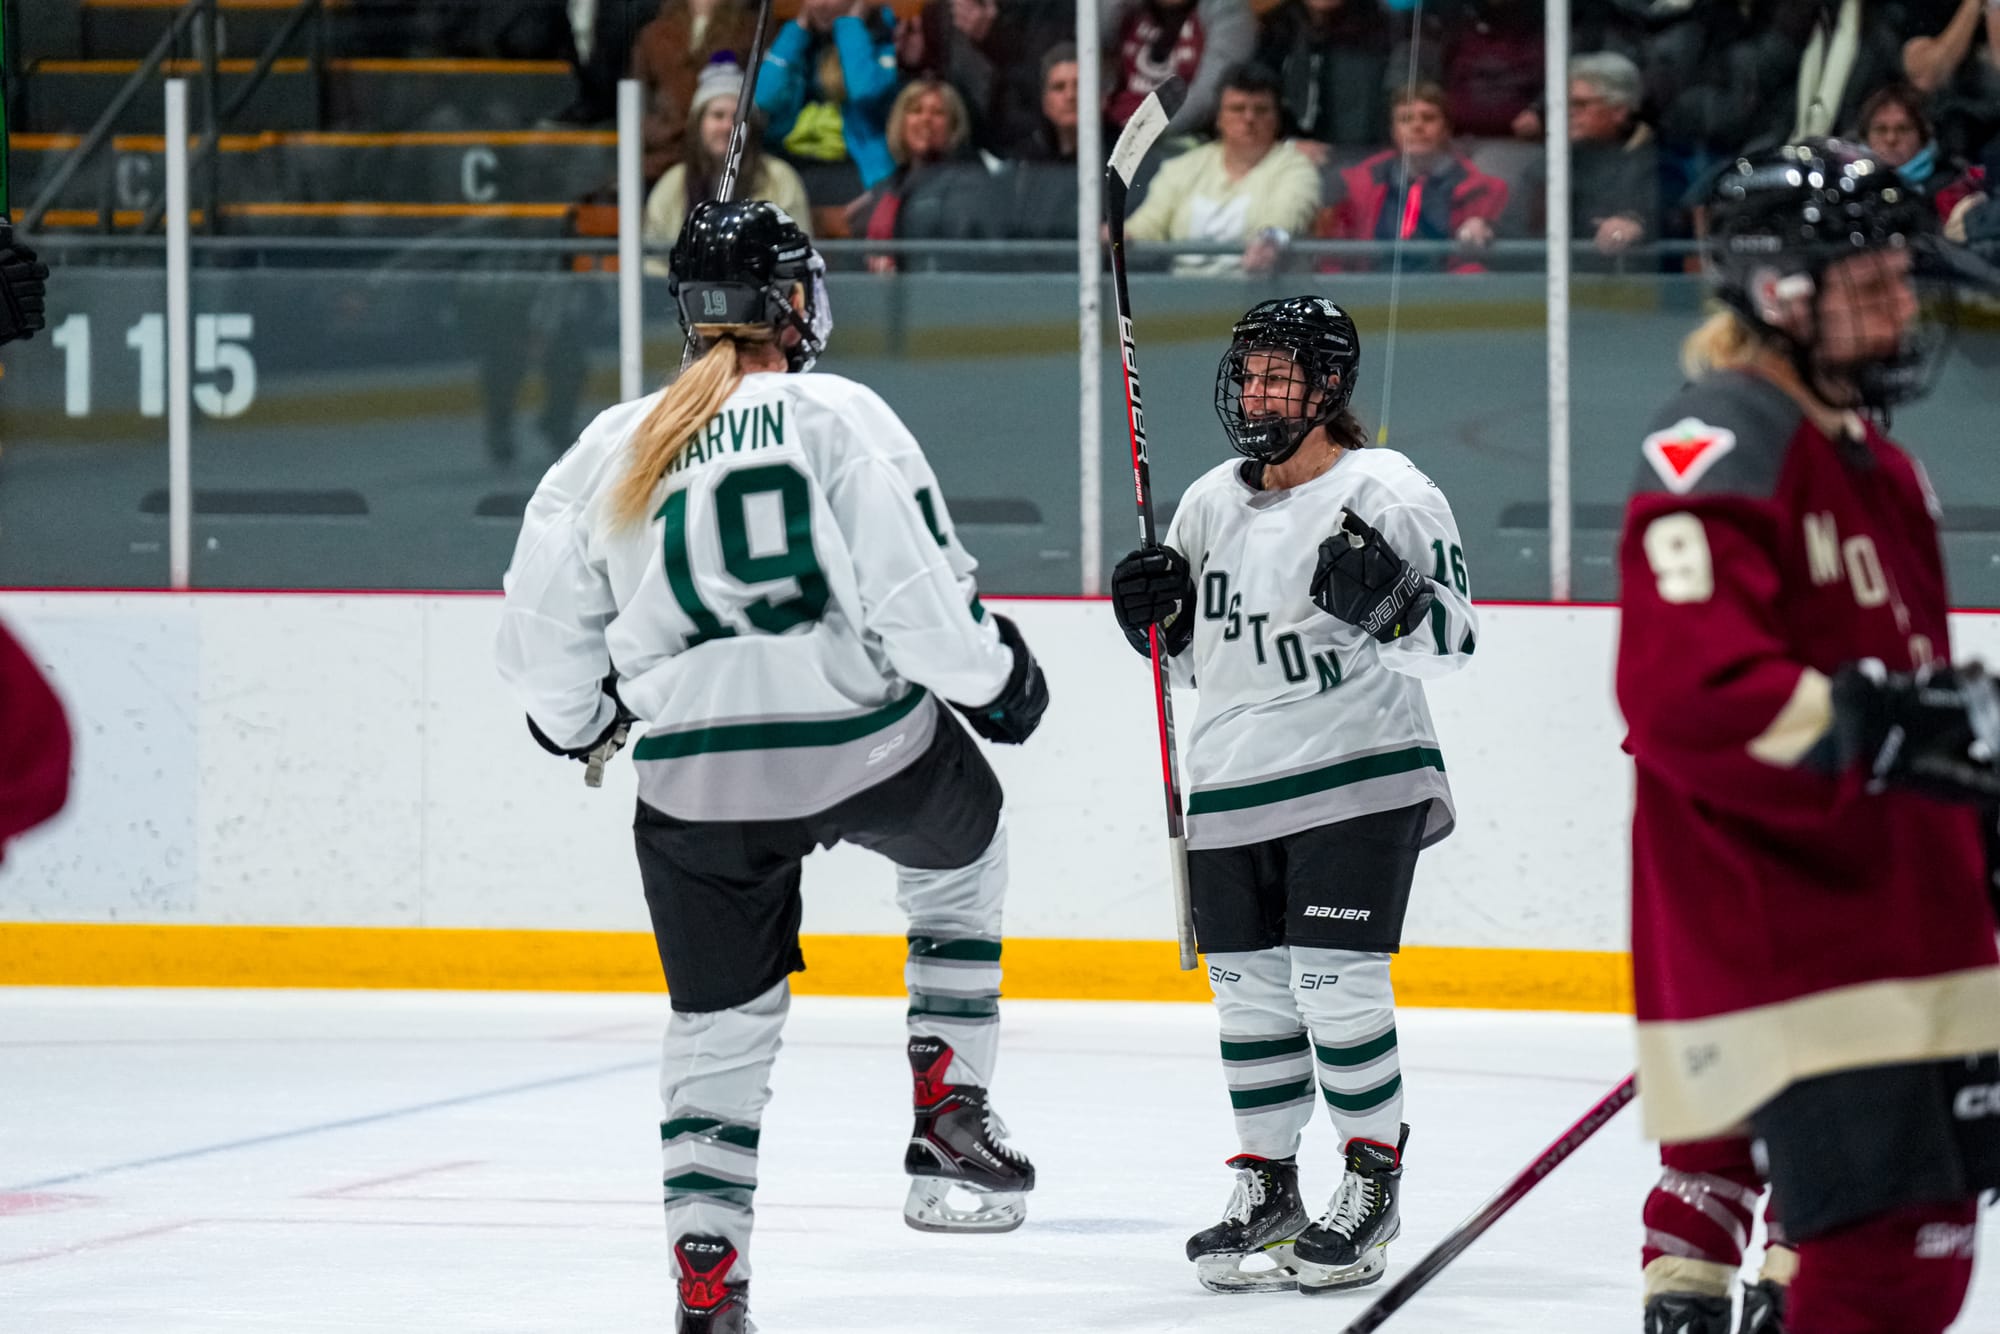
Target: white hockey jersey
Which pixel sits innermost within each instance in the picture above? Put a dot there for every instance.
(781, 622)
(1304, 719)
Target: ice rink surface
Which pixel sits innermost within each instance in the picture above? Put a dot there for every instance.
(188, 1162)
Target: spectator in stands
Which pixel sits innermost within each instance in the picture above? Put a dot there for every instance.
(1721, 78)
(1054, 140)
(1895, 128)
(671, 53)
(1248, 187)
(1443, 197)
(1952, 61)
(603, 33)
(1332, 62)
(712, 112)
(982, 49)
(1851, 48)
(1614, 167)
(1487, 56)
(827, 85)
(1146, 41)
(937, 190)
(1035, 193)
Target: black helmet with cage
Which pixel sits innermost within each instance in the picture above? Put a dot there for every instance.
(1317, 341)
(735, 270)
(1780, 219)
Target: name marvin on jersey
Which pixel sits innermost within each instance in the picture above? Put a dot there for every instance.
(761, 426)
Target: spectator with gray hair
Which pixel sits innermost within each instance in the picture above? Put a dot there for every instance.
(1614, 163)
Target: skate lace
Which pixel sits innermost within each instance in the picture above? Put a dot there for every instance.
(1248, 1195)
(1356, 1200)
(996, 1135)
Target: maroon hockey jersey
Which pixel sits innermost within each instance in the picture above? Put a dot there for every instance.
(1785, 923)
(34, 745)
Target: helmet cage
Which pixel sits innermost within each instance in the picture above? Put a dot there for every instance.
(1317, 339)
(1782, 225)
(1274, 438)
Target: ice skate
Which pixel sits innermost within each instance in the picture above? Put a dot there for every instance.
(1250, 1250)
(1687, 1313)
(963, 1176)
(1348, 1245)
(709, 1302)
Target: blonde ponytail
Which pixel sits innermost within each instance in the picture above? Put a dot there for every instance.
(1723, 342)
(689, 402)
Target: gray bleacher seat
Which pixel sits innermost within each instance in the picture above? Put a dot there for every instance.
(361, 95)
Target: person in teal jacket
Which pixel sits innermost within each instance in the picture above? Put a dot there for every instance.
(827, 83)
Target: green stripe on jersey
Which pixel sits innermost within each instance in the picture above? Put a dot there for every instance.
(1264, 1048)
(1213, 801)
(965, 951)
(743, 1137)
(1362, 1102)
(1249, 1100)
(924, 1004)
(1361, 1053)
(775, 736)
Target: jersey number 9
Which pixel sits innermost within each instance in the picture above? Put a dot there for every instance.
(796, 562)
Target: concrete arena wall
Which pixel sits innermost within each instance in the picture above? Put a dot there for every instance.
(337, 790)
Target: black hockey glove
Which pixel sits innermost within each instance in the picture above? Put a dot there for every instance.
(1935, 732)
(1154, 586)
(1015, 714)
(593, 755)
(21, 284)
(1361, 581)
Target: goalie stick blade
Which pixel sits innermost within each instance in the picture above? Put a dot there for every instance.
(1144, 129)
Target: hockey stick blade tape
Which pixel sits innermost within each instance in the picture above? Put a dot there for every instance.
(1144, 129)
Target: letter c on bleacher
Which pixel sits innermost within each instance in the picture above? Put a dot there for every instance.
(476, 175)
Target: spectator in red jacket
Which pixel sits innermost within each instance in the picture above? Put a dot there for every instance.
(34, 760)
(1418, 190)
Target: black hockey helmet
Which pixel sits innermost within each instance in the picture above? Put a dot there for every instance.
(1781, 218)
(734, 269)
(1320, 341)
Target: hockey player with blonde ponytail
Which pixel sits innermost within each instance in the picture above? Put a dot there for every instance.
(756, 567)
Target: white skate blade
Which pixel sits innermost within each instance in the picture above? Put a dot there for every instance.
(931, 1207)
(1226, 1271)
(1314, 1279)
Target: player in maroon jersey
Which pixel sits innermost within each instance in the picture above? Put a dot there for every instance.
(1813, 952)
(34, 745)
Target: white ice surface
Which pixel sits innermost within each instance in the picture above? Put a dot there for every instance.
(186, 1162)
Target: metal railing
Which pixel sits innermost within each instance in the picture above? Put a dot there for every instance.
(198, 18)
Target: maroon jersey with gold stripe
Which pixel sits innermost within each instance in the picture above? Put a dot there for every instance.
(1785, 923)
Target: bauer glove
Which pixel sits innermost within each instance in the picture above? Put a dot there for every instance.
(1017, 711)
(1361, 581)
(1154, 586)
(21, 284)
(1935, 731)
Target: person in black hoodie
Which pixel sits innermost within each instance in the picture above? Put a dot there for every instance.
(1332, 62)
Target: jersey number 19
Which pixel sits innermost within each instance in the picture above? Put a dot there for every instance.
(797, 562)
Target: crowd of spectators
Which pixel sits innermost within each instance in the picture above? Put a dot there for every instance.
(1362, 120)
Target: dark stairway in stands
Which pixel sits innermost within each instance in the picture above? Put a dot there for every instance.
(337, 140)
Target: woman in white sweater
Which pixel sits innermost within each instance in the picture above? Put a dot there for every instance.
(710, 118)
(1247, 187)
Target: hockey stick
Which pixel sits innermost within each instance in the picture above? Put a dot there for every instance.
(1489, 1213)
(739, 133)
(1134, 141)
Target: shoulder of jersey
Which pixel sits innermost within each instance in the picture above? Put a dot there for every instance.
(1218, 480)
(1725, 434)
(1390, 470)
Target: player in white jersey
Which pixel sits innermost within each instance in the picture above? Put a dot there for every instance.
(1291, 593)
(757, 569)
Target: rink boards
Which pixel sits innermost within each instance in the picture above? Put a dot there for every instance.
(335, 790)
